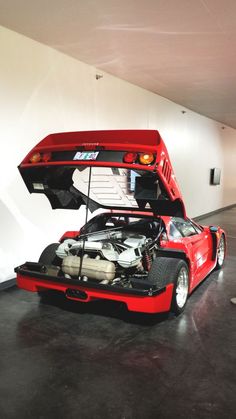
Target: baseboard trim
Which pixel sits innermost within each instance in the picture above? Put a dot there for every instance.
(208, 214)
(7, 284)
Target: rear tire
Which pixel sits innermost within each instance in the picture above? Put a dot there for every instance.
(49, 257)
(166, 271)
(220, 253)
(181, 288)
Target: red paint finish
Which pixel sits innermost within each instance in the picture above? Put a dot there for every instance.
(120, 140)
(145, 304)
(198, 250)
(110, 139)
(69, 235)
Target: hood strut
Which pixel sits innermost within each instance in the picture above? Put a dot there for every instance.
(86, 219)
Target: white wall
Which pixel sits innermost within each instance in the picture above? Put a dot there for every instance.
(43, 91)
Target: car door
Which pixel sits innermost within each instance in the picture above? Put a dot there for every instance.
(196, 241)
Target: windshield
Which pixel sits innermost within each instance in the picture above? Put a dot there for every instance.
(147, 225)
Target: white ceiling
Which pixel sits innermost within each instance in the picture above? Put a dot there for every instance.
(184, 50)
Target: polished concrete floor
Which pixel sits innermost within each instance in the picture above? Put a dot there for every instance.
(67, 360)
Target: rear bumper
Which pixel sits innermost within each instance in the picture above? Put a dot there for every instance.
(135, 300)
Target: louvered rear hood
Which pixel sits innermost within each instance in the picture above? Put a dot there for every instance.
(61, 165)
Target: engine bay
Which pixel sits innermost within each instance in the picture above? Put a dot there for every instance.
(121, 253)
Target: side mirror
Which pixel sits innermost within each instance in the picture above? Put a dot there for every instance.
(213, 229)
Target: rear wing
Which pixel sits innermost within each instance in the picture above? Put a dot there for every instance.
(48, 168)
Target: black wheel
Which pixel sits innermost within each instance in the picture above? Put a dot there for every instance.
(220, 254)
(165, 271)
(49, 257)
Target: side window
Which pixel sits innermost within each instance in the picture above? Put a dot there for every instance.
(174, 232)
(197, 228)
(185, 227)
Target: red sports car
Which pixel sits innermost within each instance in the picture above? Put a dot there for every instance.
(142, 249)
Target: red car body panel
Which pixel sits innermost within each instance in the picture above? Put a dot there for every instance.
(144, 141)
(145, 304)
(199, 250)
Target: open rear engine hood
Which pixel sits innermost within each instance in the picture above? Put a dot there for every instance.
(59, 168)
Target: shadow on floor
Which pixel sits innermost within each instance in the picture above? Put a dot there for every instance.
(103, 308)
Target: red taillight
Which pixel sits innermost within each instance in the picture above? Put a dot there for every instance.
(142, 158)
(35, 158)
(46, 157)
(130, 157)
(40, 157)
(146, 158)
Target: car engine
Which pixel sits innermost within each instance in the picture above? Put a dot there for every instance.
(112, 256)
